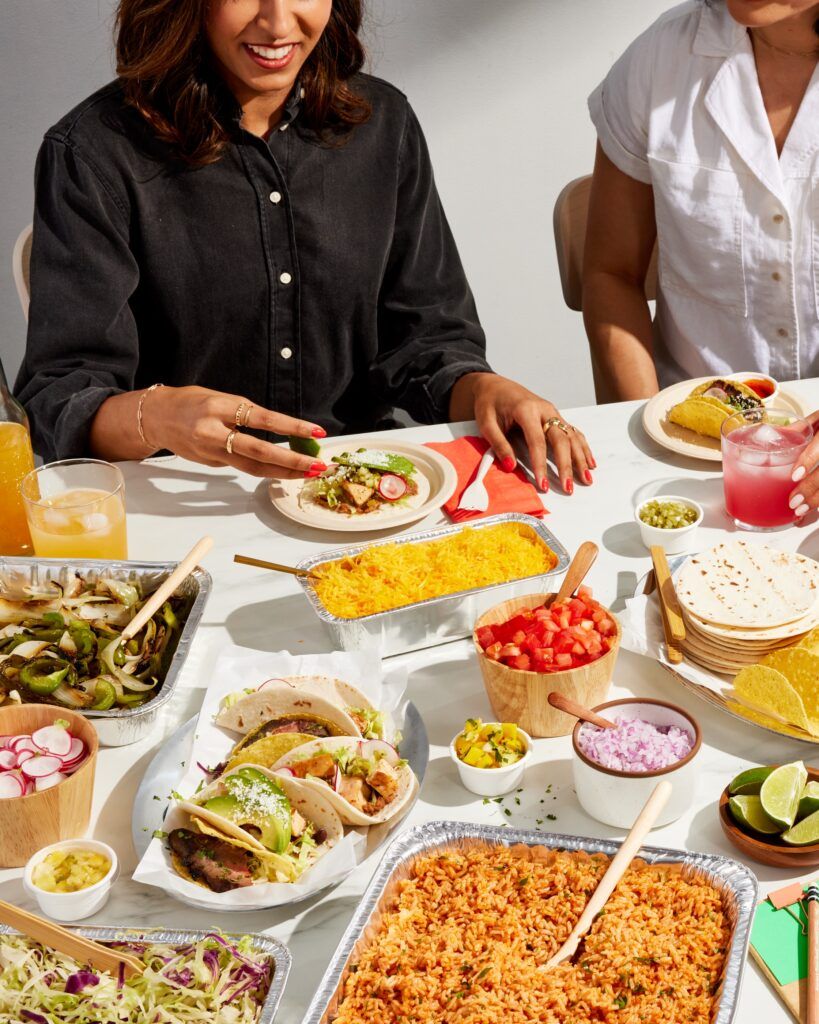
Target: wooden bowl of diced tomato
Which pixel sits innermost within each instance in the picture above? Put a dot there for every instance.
(529, 647)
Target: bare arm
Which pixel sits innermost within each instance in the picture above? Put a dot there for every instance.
(619, 242)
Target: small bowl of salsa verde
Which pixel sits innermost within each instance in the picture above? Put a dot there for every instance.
(669, 521)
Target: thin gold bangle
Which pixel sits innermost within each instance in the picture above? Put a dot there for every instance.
(142, 398)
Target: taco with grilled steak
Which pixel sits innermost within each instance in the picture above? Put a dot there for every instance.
(711, 403)
(251, 826)
(366, 780)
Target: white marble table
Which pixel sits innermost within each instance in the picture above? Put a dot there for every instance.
(171, 502)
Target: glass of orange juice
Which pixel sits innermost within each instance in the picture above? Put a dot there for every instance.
(76, 509)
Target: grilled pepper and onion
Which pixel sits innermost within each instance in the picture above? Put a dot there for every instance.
(63, 646)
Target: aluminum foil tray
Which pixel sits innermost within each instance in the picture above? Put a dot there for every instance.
(278, 952)
(729, 876)
(115, 728)
(438, 619)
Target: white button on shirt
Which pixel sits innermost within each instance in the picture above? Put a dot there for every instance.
(737, 225)
(286, 353)
(285, 278)
(275, 197)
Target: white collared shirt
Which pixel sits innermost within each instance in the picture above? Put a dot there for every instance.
(737, 225)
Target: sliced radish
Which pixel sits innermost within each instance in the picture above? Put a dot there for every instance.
(269, 683)
(30, 786)
(337, 780)
(13, 741)
(23, 756)
(75, 754)
(48, 781)
(40, 766)
(8, 759)
(4, 741)
(26, 744)
(392, 487)
(54, 739)
(284, 770)
(11, 786)
(370, 747)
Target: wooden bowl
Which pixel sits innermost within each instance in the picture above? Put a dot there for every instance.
(521, 697)
(769, 850)
(27, 823)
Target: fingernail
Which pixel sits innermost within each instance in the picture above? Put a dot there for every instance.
(801, 511)
(592, 463)
(798, 473)
(318, 432)
(588, 477)
(795, 501)
(544, 484)
(316, 469)
(568, 486)
(508, 464)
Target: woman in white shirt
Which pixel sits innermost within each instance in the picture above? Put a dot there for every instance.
(708, 142)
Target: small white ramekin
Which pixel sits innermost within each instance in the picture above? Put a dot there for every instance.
(673, 542)
(72, 906)
(748, 375)
(492, 781)
(616, 797)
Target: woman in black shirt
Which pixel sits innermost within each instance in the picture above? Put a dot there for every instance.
(241, 237)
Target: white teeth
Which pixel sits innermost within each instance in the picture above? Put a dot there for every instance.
(271, 52)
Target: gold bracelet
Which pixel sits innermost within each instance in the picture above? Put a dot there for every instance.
(142, 398)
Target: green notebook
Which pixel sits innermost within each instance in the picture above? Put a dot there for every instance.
(779, 943)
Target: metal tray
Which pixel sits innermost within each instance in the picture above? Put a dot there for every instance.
(115, 728)
(278, 952)
(438, 619)
(729, 876)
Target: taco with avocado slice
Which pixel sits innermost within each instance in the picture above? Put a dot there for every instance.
(366, 781)
(711, 403)
(257, 827)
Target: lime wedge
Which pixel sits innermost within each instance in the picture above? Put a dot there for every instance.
(781, 791)
(305, 445)
(809, 801)
(749, 781)
(748, 814)
(807, 831)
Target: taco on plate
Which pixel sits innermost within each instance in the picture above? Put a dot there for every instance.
(365, 780)
(251, 826)
(711, 403)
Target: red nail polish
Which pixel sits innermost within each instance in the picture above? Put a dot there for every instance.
(544, 484)
(588, 477)
(318, 432)
(316, 469)
(568, 486)
(508, 464)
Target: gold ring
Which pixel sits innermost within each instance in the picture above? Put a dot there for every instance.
(555, 421)
(240, 409)
(246, 420)
(229, 442)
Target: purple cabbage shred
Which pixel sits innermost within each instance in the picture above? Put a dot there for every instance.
(75, 983)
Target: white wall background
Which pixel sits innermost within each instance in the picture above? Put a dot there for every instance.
(500, 87)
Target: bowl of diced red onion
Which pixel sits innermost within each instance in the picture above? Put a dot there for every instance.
(616, 770)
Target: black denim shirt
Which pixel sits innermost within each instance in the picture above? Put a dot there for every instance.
(319, 281)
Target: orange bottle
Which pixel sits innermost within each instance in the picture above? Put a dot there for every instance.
(16, 459)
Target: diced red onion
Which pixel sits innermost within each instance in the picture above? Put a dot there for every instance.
(635, 745)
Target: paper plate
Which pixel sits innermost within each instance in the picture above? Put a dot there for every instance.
(435, 475)
(684, 441)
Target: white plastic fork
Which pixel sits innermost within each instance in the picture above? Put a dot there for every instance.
(476, 498)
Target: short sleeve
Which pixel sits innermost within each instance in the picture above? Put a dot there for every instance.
(619, 108)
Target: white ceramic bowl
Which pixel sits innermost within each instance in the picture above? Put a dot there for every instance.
(742, 377)
(72, 906)
(492, 781)
(673, 542)
(616, 797)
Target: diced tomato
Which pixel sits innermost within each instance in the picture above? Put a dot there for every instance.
(485, 636)
(586, 624)
(509, 651)
(521, 662)
(607, 627)
(585, 594)
(563, 660)
(578, 648)
(493, 651)
(518, 637)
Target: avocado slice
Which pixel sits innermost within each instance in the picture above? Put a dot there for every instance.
(270, 814)
(304, 445)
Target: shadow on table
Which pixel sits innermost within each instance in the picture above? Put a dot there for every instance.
(209, 495)
(283, 623)
(640, 439)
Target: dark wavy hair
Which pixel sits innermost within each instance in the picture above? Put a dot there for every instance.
(165, 64)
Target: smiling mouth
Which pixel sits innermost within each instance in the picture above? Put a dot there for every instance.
(271, 53)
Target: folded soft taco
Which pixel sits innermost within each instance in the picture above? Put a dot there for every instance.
(366, 780)
(251, 825)
(711, 403)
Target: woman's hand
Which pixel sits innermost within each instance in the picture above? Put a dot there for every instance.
(499, 405)
(201, 425)
(805, 494)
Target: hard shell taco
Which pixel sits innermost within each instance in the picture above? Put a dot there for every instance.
(257, 826)
(366, 780)
(711, 403)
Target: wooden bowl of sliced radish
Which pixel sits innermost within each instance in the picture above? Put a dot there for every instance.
(47, 761)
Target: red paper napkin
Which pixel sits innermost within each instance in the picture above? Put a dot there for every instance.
(508, 492)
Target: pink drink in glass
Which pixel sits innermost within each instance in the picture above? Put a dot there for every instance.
(759, 449)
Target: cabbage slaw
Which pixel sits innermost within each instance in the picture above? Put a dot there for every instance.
(210, 980)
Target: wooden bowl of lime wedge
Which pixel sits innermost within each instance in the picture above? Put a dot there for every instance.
(771, 814)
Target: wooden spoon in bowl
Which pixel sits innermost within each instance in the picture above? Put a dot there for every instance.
(583, 560)
(571, 707)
